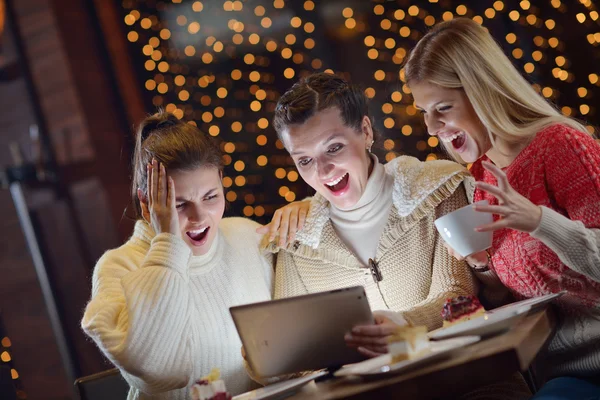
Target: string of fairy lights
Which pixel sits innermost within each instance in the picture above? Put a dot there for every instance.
(222, 65)
(7, 360)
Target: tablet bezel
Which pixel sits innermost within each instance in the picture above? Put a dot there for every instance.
(301, 333)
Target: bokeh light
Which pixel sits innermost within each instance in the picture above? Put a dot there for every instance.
(223, 65)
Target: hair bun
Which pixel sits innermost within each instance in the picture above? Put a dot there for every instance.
(165, 123)
(157, 122)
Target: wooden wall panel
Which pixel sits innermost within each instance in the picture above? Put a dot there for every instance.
(34, 351)
(75, 95)
(52, 76)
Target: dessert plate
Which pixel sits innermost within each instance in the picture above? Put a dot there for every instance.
(495, 321)
(280, 389)
(534, 303)
(486, 325)
(382, 365)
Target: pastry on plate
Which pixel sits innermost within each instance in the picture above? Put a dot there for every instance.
(408, 342)
(210, 387)
(460, 309)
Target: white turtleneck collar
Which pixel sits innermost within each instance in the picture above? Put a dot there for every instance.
(361, 226)
(144, 234)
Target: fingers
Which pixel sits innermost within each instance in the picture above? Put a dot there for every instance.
(264, 229)
(494, 226)
(145, 211)
(356, 341)
(275, 225)
(171, 194)
(478, 259)
(283, 228)
(498, 210)
(155, 176)
(291, 233)
(379, 330)
(498, 173)
(162, 185)
(302, 217)
(496, 191)
(150, 186)
(376, 352)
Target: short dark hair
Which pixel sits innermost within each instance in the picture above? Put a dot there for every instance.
(318, 92)
(178, 145)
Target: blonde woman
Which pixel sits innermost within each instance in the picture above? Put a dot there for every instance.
(539, 170)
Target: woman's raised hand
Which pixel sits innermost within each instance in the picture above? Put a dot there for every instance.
(286, 222)
(515, 211)
(161, 200)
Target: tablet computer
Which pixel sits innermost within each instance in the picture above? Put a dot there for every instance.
(301, 333)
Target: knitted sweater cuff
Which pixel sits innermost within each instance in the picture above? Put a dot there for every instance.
(169, 251)
(577, 246)
(557, 231)
(553, 227)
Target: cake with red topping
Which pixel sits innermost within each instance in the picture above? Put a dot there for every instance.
(210, 387)
(460, 309)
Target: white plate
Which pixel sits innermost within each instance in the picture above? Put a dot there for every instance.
(382, 366)
(534, 303)
(486, 325)
(495, 321)
(277, 390)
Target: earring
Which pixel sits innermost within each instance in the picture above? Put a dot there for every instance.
(370, 146)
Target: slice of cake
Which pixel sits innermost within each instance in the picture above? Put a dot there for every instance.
(460, 309)
(408, 342)
(210, 387)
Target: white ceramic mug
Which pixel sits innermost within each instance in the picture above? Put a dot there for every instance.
(458, 229)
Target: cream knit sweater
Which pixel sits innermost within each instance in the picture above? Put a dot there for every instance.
(418, 273)
(162, 316)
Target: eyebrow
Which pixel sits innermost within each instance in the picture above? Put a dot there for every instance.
(329, 139)
(211, 191)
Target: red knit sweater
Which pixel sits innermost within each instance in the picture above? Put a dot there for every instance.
(559, 169)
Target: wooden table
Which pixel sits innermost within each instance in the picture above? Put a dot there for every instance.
(484, 362)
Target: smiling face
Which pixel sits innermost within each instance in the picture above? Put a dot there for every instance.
(200, 205)
(449, 115)
(331, 156)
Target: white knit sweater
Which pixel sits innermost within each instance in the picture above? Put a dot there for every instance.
(162, 316)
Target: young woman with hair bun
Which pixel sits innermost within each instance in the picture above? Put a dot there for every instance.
(160, 303)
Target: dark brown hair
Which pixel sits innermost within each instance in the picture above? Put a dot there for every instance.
(179, 146)
(318, 92)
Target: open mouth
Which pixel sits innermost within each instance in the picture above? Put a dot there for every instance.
(198, 236)
(338, 185)
(457, 140)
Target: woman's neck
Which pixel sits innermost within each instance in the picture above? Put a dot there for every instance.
(371, 165)
(503, 153)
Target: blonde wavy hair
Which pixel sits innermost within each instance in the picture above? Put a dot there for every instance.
(461, 54)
